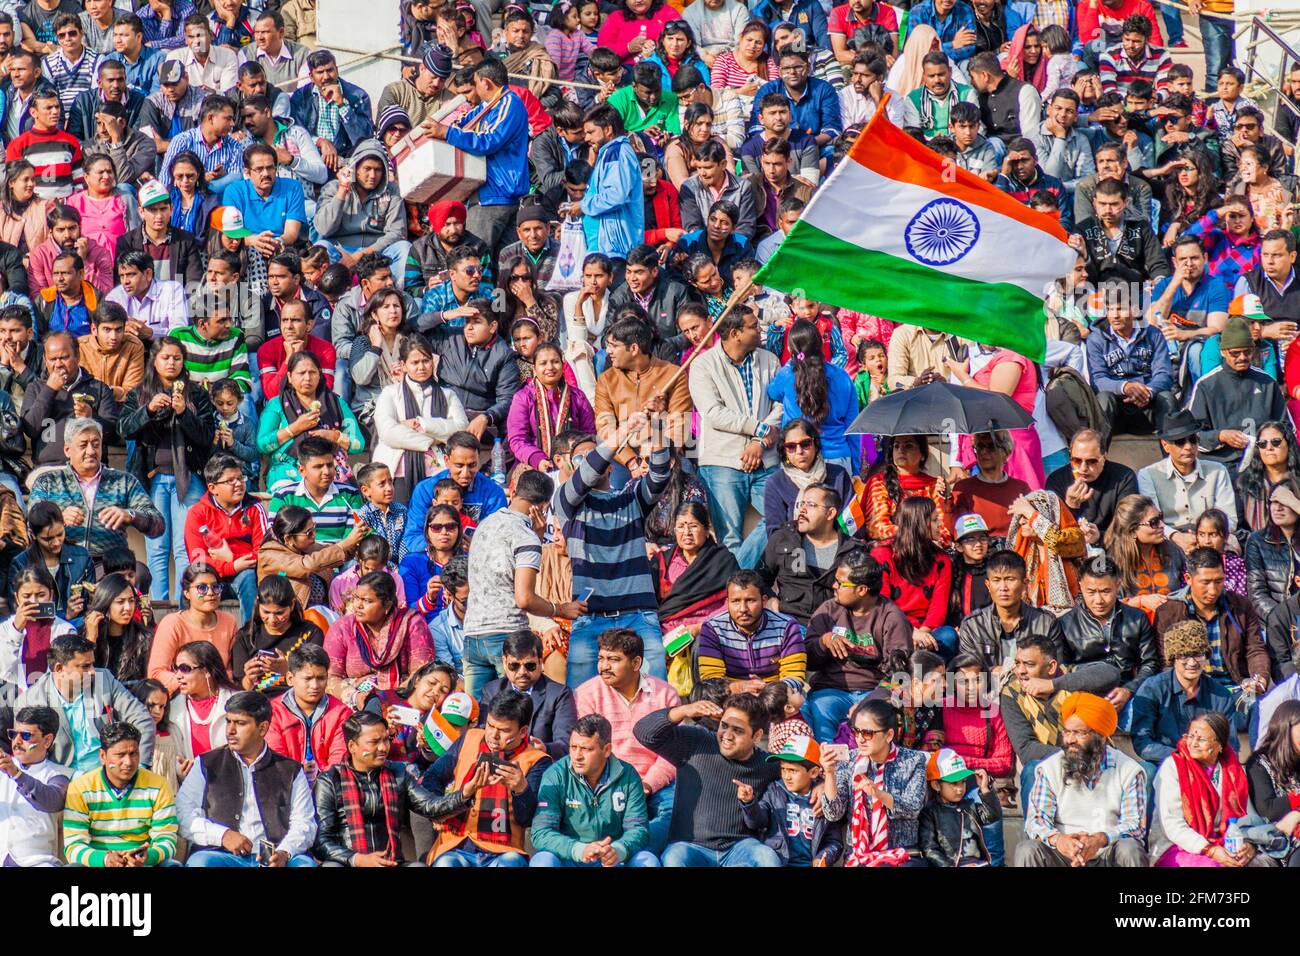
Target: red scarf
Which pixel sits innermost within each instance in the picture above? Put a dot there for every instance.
(384, 661)
(493, 801)
(869, 824)
(350, 798)
(1200, 796)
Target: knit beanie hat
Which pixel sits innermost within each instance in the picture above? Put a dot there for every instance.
(1185, 639)
(1236, 335)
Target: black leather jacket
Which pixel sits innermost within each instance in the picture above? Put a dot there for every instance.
(334, 842)
(1270, 564)
(982, 633)
(1127, 641)
(943, 827)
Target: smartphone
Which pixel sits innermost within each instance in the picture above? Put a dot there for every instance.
(492, 760)
(587, 596)
(44, 611)
(265, 851)
(405, 715)
(267, 654)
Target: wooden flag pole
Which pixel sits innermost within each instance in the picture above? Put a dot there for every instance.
(736, 297)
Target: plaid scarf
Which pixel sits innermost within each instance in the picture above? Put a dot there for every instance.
(384, 661)
(1201, 802)
(869, 824)
(548, 428)
(1044, 716)
(493, 803)
(350, 796)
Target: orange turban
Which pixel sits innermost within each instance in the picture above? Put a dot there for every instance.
(1097, 712)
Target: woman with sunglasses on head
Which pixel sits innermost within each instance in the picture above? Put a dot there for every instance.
(259, 657)
(420, 571)
(113, 624)
(1276, 460)
(377, 645)
(197, 715)
(201, 620)
(292, 551)
(425, 690)
(25, 636)
(1150, 566)
(802, 465)
(376, 351)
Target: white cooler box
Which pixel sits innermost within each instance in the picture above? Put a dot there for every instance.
(430, 170)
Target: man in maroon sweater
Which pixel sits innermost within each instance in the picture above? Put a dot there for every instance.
(273, 356)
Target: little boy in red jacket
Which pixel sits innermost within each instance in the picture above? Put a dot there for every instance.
(306, 722)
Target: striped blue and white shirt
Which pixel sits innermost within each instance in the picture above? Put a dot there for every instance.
(605, 533)
(70, 79)
(226, 153)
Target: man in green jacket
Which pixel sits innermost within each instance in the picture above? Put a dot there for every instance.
(591, 808)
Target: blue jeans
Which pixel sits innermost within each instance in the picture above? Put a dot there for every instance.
(545, 858)
(396, 252)
(1216, 36)
(468, 855)
(244, 587)
(731, 491)
(343, 377)
(582, 643)
(224, 858)
(997, 846)
(1026, 784)
(827, 708)
(482, 661)
(660, 806)
(746, 852)
(1173, 21)
(170, 545)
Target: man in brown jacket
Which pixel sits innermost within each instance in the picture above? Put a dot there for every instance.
(775, 183)
(637, 381)
(1237, 651)
(110, 354)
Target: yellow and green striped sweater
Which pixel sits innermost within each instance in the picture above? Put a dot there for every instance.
(98, 820)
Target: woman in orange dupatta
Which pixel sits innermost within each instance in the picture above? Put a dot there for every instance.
(1045, 534)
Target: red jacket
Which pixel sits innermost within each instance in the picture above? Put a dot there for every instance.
(243, 531)
(667, 214)
(272, 367)
(288, 734)
(538, 117)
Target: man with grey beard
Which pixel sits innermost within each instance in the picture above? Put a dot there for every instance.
(1087, 784)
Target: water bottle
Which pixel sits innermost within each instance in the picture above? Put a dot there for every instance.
(498, 463)
(1232, 838)
(210, 540)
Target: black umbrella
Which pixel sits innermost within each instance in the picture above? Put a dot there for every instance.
(940, 408)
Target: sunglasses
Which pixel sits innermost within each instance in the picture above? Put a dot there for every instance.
(443, 527)
(865, 734)
(1153, 523)
(803, 445)
(205, 588)
(1080, 462)
(472, 271)
(1271, 442)
(26, 736)
(1245, 126)
(1180, 442)
(68, 33)
(529, 666)
(187, 668)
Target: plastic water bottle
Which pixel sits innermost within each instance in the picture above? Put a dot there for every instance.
(498, 463)
(1232, 837)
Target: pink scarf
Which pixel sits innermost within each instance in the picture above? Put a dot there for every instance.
(869, 822)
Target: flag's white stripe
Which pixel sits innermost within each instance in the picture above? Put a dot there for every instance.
(868, 210)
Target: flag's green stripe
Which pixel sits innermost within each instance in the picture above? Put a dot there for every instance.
(841, 274)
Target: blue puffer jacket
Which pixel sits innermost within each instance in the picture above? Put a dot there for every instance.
(502, 136)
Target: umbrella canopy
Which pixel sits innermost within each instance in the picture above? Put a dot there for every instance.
(940, 408)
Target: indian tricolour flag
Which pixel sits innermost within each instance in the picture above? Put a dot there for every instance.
(899, 232)
(439, 733)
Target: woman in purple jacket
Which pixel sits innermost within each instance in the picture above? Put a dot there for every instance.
(543, 408)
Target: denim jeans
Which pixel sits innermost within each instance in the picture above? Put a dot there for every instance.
(660, 806)
(396, 252)
(482, 661)
(545, 858)
(731, 491)
(746, 852)
(827, 708)
(224, 858)
(468, 855)
(1216, 36)
(343, 377)
(582, 644)
(170, 545)
(1172, 18)
(243, 587)
(997, 846)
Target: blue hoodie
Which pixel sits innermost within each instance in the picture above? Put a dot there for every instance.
(613, 210)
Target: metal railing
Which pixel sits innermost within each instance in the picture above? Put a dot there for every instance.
(1260, 34)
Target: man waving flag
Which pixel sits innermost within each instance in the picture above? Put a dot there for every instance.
(899, 232)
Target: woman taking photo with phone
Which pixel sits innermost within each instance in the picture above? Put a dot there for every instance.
(25, 637)
(68, 564)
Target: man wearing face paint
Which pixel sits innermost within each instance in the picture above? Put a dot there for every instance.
(32, 791)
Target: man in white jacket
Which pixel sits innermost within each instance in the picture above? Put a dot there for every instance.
(739, 429)
(32, 791)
